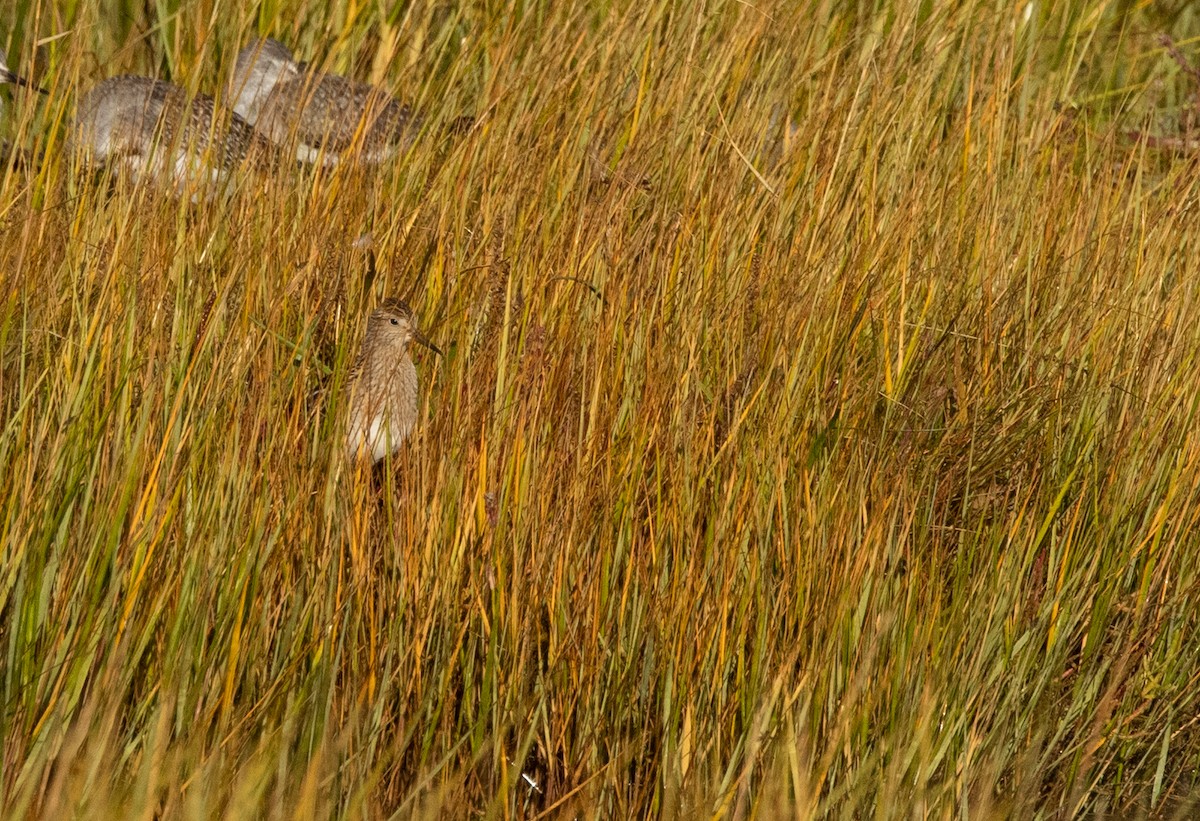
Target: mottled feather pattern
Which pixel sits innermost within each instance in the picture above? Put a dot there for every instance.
(328, 112)
(130, 117)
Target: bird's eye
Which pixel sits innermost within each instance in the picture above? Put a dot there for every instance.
(395, 321)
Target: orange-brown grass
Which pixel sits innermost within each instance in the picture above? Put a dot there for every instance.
(816, 434)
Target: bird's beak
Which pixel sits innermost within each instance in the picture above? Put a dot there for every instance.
(17, 80)
(424, 340)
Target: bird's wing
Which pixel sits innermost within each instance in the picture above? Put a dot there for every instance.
(335, 110)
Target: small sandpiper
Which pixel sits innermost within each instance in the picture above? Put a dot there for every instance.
(383, 383)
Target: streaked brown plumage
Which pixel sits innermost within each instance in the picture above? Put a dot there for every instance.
(383, 383)
(154, 129)
(324, 116)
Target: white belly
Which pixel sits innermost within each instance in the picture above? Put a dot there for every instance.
(308, 155)
(185, 172)
(380, 427)
(378, 437)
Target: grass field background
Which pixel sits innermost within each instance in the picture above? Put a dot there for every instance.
(816, 435)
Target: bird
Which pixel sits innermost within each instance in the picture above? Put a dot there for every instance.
(325, 116)
(383, 383)
(155, 129)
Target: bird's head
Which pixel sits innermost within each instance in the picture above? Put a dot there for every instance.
(261, 66)
(393, 323)
(7, 75)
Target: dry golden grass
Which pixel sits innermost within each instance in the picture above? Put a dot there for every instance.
(816, 434)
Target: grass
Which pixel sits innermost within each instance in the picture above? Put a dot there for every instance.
(815, 435)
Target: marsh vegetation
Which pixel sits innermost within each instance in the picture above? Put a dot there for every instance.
(816, 433)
